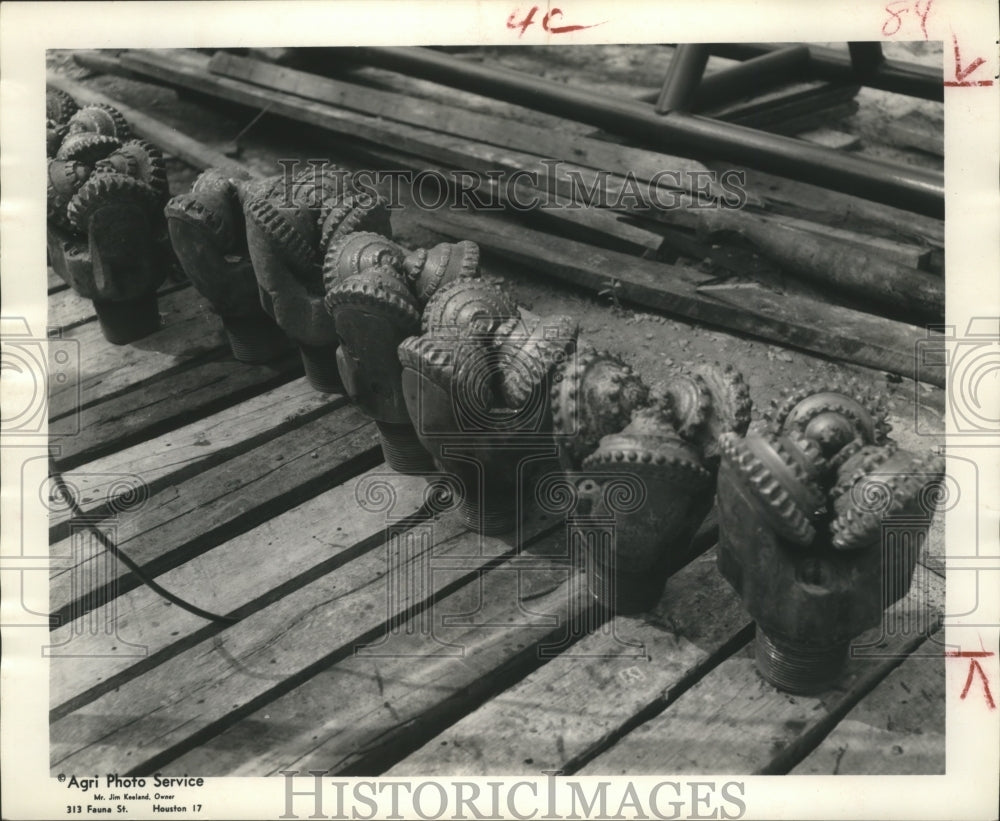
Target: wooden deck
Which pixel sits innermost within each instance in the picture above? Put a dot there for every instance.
(266, 505)
(304, 607)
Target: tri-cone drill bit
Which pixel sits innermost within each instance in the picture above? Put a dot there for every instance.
(209, 237)
(106, 233)
(803, 509)
(611, 427)
(375, 292)
(475, 386)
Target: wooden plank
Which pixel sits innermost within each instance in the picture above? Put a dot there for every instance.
(167, 403)
(416, 145)
(828, 330)
(169, 139)
(184, 520)
(403, 698)
(897, 729)
(451, 120)
(537, 724)
(103, 61)
(175, 456)
(68, 309)
(598, 226)
(190, 331)
(450, 146)
(188, 71)
(286, 552)
(794, 198)
(150, 720)
(396, 702)
(895, 290)
(732, 721)
(915, 256)
(785, 196)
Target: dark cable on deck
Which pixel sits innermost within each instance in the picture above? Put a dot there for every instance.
(115, 551)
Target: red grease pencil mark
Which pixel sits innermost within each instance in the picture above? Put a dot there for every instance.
(550, 16)
(962, 73)
(975, 667)
(897, 8)
(563, 29)
(528, 18)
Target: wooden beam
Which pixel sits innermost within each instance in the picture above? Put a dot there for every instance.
(67, 308)
(441, 147)
(446, 119)
(190, 331)
(503, 625)
(165, 403)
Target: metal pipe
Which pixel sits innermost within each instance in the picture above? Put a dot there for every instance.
(900, 77)
(913, 189)
(683, 76)
(866, 59)
(745, 77)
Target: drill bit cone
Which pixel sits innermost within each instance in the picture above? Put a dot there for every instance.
(473, 435)
(105, 234)
(440, 395)
(593, 394)
(429, 270)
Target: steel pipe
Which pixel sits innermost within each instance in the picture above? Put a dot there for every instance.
(901, 186)
(745, 77)
(683, 77)
(912, 79)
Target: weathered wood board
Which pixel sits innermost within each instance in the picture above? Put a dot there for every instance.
(181, 521)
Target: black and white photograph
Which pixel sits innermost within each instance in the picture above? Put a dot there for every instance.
(456, 410)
